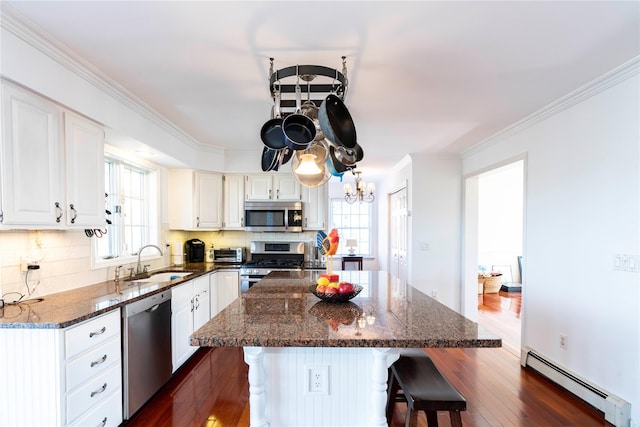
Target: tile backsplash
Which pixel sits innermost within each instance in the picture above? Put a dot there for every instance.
(65, 256)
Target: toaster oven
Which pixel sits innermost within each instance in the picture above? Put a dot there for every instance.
(229, 255)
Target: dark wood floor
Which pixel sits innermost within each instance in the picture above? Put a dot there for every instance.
(211, 389)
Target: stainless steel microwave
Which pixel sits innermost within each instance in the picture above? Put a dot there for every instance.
(273, 216)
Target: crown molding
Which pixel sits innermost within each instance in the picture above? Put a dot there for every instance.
(611, 78)
(21, 27)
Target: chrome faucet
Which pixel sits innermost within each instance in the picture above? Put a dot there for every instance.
(139, 269)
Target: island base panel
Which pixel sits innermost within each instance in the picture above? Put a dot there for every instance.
(355, 396)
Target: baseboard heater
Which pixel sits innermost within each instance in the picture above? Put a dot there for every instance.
(616, 410)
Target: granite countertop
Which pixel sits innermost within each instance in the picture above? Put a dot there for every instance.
(280, 311)
(67, 308)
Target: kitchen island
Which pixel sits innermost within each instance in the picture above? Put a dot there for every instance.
(321, 364)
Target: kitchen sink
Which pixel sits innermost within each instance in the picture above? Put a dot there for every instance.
(165, 276)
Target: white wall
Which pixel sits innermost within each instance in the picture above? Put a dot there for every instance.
(581, 208)
(435, 227)
(500, 218)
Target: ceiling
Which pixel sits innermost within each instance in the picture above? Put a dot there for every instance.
(431, 77)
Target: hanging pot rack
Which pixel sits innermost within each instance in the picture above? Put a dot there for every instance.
(317, 82)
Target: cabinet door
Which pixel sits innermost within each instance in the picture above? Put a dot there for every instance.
(181, 324)
(259, 187)
(84, 153)
(208, 201)
(286, 187)
(30, 161)
(314, 207)
(213, 294)
(228, 288)
(201, 313)
(233, 202)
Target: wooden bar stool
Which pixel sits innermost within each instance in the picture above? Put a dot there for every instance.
(423, 389)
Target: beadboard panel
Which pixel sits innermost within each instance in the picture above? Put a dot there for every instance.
(30, 366)
(348, 402)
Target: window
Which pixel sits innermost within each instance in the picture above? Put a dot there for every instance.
(353, 221)
(131, 200)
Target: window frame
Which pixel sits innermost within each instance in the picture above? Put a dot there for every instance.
(152, 209)
(372, 231)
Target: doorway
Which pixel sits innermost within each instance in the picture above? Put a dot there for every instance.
(494, 216)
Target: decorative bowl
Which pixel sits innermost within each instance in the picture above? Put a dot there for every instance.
(335, 298)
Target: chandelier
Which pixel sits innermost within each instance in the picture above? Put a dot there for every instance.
(363, 192)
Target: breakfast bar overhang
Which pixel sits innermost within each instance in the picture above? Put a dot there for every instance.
(314, 363)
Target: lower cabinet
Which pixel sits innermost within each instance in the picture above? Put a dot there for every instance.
(62, 377)
(225, 288)
(190, 309)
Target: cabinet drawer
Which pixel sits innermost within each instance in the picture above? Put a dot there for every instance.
(93, 363)
(91, 333)
(93, 392)
(106, 414)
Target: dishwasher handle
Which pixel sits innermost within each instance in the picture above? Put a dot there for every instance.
(154, 308)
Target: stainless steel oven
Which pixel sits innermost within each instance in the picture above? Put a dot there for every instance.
(268, 256)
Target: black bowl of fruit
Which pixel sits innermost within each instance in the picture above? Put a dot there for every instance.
(342, 293)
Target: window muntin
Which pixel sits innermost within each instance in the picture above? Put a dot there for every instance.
(353, 221)
(131, 197)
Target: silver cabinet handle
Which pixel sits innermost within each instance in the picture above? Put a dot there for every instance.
(74, 213)
(103, 423)
(197, 221)
(306, 223)
(278, 194)
(99, 361)
(269, 194)
(192, 305)
(59, 217)
(100, 332)
(100, 390)
(241, 222)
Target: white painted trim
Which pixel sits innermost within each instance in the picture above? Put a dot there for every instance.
(600, 84)
(13, 22)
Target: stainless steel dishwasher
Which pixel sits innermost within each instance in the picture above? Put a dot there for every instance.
(146, 343)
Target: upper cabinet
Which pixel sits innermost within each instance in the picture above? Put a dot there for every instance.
(272, 187)
(314, 207)
(84, 154)
(51, 171)
(195, 200)
(233, 202)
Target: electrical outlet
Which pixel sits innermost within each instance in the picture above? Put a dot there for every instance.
(317, 377)
(563, 341)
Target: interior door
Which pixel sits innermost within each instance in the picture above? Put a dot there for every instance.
(398, 262)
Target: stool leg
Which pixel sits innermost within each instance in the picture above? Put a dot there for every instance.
(432, 418)
(456, 421)
(412, 418)
(392, 390)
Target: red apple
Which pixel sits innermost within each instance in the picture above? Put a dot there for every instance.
(331, 290)
(331, 277)
(345, 288)
(321, 289)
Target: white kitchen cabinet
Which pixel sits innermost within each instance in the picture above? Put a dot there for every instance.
(31, 163)
(314, 207)
(272, 187)
(51, 174)
(195, 200)
(233, 202)
(84, 154)
(225, 288)
(189, 311)
(61, 377)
